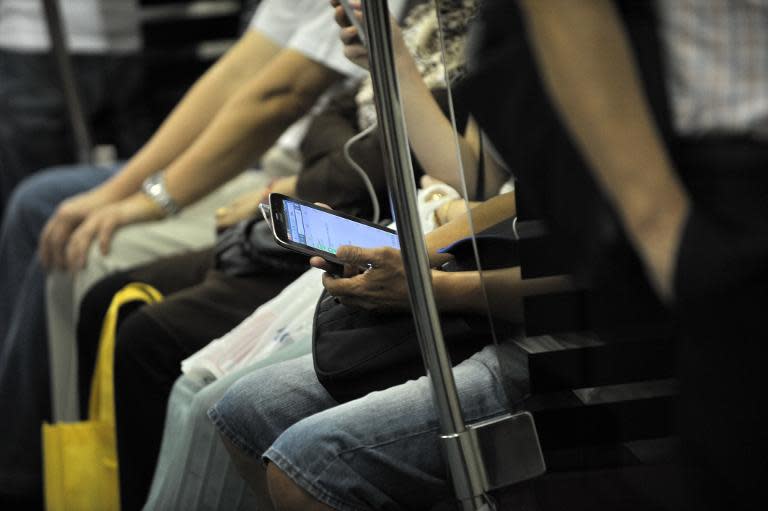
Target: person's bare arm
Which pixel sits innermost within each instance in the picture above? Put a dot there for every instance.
(247, 205)
(383, 285)
(247, 125)
(484, 215)
(588, 68)
(190, 117)
(430, 132)
(462, 291)
(193, 115)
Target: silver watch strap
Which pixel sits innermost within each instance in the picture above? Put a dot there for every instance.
(154, 188)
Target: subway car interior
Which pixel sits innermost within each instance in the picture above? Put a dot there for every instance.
(383, 255)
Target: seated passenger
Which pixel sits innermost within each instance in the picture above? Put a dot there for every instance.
(152, 341)
(269, 79)
(380, 451)
(667, 202)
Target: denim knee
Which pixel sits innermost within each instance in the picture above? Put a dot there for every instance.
(260, 406)
(236, 417)
(27, 208)
(35, 199)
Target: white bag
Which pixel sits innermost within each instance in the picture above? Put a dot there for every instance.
(282, 321)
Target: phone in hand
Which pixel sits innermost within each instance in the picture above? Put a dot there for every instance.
(316, 231)
(355, 22)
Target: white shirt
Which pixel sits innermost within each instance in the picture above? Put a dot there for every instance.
(308, 27)
(92, 26)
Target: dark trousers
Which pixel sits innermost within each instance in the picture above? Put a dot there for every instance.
(722, 304)
(34, 127)
(152, 340)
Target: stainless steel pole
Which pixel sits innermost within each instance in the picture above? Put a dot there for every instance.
(462, 456)
(67, 76)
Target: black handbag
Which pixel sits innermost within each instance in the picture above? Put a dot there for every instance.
(248, 248)
(357, 351)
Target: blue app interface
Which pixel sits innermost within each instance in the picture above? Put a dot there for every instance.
(327, 232)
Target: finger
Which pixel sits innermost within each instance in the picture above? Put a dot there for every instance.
(355, 53)
(320, 263)
(362, 257)
(328, 281)
(355, 256)
(351, 270)
(105, 234)
(43, 245)
(323, 205)
(60, 236)
(349, 36)
(78, 244)
(340, 15)
(339, 286)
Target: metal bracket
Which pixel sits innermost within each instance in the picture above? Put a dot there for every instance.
(498, 452)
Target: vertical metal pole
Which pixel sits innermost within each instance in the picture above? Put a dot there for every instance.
(67, 76)
(461, 456)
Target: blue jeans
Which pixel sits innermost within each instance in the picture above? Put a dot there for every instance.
(379, 452)
(34, 131)
(24, 382)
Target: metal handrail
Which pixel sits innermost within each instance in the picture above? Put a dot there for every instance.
(75, 112)
(461, 454)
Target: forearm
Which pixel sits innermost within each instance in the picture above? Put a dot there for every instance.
(195, 111)
(243, 131)
(247, 125)
(589, 70)
(463, 291)
(430, 132)
(484, 215)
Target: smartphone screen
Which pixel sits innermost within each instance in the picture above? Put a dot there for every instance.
(313, 230)
(322, 230)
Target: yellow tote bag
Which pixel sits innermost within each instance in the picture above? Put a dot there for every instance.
(80, 458)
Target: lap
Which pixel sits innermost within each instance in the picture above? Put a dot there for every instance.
(192, 229)
(378, 452)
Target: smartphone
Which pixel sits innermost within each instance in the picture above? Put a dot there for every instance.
(309, 229)
(353, 19)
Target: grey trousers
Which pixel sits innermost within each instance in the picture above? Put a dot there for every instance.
(194, 470)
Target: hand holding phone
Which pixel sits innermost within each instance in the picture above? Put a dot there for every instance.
(351, 16)
(316, 231)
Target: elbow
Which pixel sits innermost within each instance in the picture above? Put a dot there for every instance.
(287, 103)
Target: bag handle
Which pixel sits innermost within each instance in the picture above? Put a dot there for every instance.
(102, 400)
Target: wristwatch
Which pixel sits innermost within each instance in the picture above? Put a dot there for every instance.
(154, 188)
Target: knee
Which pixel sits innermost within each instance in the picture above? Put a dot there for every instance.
(236, 417)
(135, 341)
(96, 301)
(287, 495)
(29, 206)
